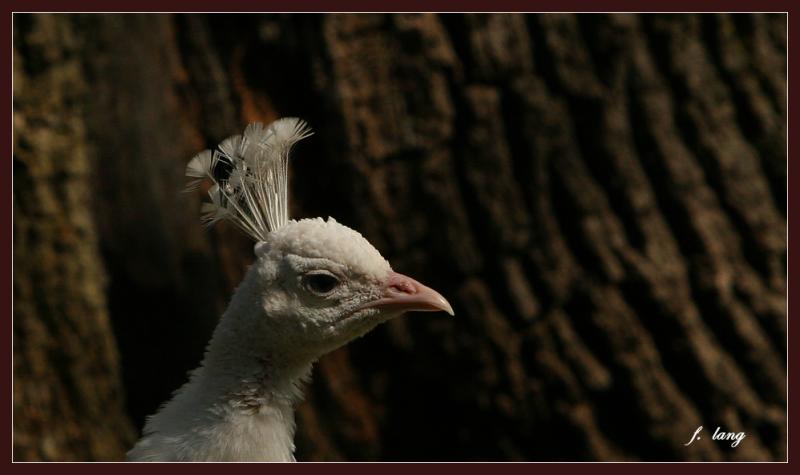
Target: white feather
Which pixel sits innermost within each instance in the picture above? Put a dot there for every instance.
(231, 147)
(255, 194)
(286, 132)
(199, 167)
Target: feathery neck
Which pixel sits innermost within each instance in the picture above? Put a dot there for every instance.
(245, 388)
(240, 354)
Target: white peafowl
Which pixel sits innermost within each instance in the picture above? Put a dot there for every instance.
(315, 285)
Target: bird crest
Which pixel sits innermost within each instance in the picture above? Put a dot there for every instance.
(249, 175)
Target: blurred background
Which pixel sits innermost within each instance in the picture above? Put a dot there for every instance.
(602, 198)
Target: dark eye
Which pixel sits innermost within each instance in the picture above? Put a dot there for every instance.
(320, 283)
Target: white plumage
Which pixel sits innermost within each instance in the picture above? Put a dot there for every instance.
(315, 285)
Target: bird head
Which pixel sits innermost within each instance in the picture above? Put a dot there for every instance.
(324, 285)
(319, 283)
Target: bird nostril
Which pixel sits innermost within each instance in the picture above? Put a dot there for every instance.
(403, 286)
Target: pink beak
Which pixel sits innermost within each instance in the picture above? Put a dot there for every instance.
(404, 294)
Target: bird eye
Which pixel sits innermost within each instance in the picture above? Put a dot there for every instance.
(320, 283)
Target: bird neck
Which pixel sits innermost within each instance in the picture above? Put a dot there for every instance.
(243, 351)
(269, 376)
(255, 385)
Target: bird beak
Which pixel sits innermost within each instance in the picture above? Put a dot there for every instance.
(404, 294)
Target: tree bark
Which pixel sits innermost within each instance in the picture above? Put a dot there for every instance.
(67, 391)
(601, 197)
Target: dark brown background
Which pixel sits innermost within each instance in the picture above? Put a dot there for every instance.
(601, 197)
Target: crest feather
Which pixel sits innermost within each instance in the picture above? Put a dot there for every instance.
(249, 173)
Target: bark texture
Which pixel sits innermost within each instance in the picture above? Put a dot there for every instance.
(68, 397)
(601, 197)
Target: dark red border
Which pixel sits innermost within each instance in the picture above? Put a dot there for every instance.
(413, 5)
(793, 261)
(405, 6)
